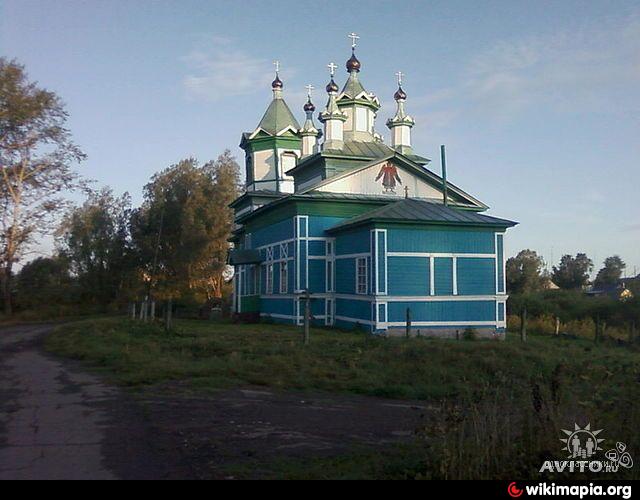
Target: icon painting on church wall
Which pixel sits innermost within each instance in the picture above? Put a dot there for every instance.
(390, 178)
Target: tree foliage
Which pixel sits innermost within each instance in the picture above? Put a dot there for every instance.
(36, 154)
(94, 238)
(181, 230)
(611, 273)
(43, 282)
(572, 273)
(525, 272)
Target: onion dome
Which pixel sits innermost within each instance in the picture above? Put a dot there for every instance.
(400, 94)
(353, 64)
(277, 83)
(332, 87)
(309, 107)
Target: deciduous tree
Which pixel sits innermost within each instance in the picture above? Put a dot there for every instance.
(181, 230)
(611, 273)
(573, 272)
(525, 272)
(94, 238)
(36, 154)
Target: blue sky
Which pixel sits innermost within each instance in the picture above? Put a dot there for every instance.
(537, 102)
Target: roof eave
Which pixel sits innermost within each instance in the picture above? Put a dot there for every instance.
(383, 220)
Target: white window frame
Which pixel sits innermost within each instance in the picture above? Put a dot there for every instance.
(330, 274)
(362, 271)
(268, 286)
(329, 310)
(284, 277)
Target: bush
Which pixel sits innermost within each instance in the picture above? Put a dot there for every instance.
(470, 334)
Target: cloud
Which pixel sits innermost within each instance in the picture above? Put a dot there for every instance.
(219, 69)
(585, 69)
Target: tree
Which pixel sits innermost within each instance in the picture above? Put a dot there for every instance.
(573, 272)
(611, 273)
(36, 152)
(524, 272)
(225, 172)
(43, 282)
(181, 230)
(94, 238)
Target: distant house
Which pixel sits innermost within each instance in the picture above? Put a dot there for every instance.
(618, 291)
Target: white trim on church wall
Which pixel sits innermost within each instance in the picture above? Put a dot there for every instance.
(436, 254)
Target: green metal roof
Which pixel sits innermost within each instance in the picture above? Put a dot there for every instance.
(277, 118)
(411, 210)
(361, 149)
(353, 87)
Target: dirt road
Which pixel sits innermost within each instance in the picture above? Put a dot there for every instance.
(59, 422)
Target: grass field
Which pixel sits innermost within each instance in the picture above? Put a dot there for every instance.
(502, 404)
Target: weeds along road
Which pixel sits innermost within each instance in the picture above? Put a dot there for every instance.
(57, 422)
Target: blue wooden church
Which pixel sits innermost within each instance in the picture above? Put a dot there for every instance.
(366, 227)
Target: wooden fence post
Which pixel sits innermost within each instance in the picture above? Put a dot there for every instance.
(307, 316)
(169, 315)
(523, 324)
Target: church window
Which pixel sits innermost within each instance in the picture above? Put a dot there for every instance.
(362, 120)
(284, 277)
(269, 280)
(289, 160)
(361, 275)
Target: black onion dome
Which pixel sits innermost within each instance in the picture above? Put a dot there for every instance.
(309, 107)
(332, 86)
(400, 94)
(353, 64)
(277, 83)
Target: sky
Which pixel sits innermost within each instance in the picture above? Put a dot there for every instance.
(538, 103)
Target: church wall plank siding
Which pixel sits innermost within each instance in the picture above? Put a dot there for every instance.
(476, 276)
(408, 275)
(433, 240)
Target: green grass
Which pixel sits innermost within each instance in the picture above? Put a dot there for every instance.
(500, 405)
(219, 355)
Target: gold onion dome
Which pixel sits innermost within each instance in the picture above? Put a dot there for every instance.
(353, 64)
(332, 86)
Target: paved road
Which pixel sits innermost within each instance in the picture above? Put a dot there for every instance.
(59, 423)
